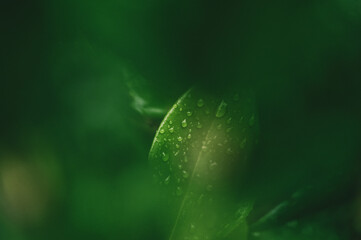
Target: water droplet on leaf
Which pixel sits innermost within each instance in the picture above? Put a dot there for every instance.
(179, 191)
(243, 143)
(229, 151)
(184, 123)
(192, 228)
(200, 103)
(251, 121)
(165, 156)
(167, 180)
(222, 109)
(212, 166)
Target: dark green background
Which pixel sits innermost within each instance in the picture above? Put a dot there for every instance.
(73, 138)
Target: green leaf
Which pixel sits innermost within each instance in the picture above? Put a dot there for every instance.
(145, 101)
(199, 154)
(317, 226)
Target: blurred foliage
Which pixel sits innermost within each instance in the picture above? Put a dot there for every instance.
(85, 85)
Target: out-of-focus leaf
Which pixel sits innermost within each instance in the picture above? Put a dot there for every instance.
(198, 154)
(145, 102)
(319, 226)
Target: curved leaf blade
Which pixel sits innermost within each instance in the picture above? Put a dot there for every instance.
(200, 149)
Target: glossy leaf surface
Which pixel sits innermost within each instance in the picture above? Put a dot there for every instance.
(199, 153)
